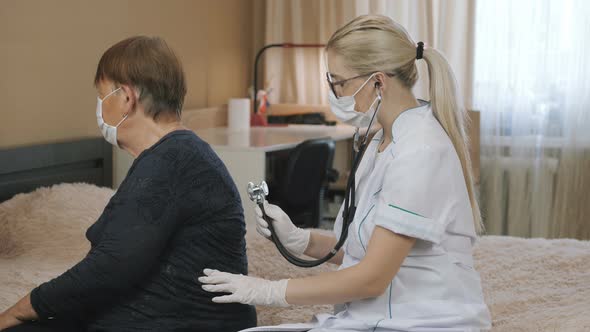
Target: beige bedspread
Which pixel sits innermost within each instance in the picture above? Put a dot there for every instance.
(529, 284)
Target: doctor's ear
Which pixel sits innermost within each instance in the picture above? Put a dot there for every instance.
(380, 80)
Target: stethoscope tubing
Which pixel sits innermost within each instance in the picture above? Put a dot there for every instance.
(347, 214)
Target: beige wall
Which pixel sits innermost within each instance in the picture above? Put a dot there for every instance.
(49, 51)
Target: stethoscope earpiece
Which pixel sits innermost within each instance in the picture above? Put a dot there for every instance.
(378, 87)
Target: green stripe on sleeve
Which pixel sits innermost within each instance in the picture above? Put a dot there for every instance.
(410, 212)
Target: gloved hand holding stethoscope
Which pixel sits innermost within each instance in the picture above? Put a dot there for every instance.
(293, 238)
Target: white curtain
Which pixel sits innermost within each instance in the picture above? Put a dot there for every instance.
(298, 75)
(532, 86)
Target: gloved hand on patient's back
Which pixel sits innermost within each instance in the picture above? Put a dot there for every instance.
(244, 289)
(293, 238)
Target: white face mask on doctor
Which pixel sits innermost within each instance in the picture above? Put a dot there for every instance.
(108, 132)
(343, 108)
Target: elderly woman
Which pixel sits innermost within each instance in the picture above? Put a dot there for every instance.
(176, 212)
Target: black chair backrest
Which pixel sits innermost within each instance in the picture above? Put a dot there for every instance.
(307, 167)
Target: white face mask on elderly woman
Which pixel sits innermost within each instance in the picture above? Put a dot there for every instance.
(108, 132)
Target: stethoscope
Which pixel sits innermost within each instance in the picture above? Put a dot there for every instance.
(257, 194)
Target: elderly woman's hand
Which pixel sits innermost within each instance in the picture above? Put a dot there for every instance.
(7, 319)
(19, 313)
(245, 289)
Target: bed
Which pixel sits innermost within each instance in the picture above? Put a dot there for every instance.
(529, 284)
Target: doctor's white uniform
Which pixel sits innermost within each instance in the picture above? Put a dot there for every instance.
(415, 187)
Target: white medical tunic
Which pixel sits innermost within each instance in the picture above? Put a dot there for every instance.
(415, 187)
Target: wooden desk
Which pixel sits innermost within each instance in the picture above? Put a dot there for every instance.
(268, 139)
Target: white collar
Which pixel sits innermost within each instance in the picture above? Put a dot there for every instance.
(400, 123)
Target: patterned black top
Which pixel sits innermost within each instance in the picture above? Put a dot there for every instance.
(177, 212)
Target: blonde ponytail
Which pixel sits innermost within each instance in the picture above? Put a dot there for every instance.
(449, 110)
(375, 43)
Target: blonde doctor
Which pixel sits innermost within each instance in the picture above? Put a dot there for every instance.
(407, 262)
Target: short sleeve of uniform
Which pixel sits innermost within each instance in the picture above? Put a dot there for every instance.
(413, 194)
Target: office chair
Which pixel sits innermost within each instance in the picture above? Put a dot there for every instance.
(300, 186)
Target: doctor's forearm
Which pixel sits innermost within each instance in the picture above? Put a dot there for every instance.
(368, 278)
(331, 287)
(320, 245)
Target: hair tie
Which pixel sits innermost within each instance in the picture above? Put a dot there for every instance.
(419, 50)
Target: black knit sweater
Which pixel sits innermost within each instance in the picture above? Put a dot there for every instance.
(177, 212)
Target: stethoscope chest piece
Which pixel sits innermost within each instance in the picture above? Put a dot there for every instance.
(257, 193)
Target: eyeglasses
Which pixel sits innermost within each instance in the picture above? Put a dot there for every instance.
(333, 84)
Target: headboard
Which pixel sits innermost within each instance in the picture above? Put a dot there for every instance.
(25, 169)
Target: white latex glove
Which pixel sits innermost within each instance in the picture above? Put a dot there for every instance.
(245, 289)
(293, 238)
